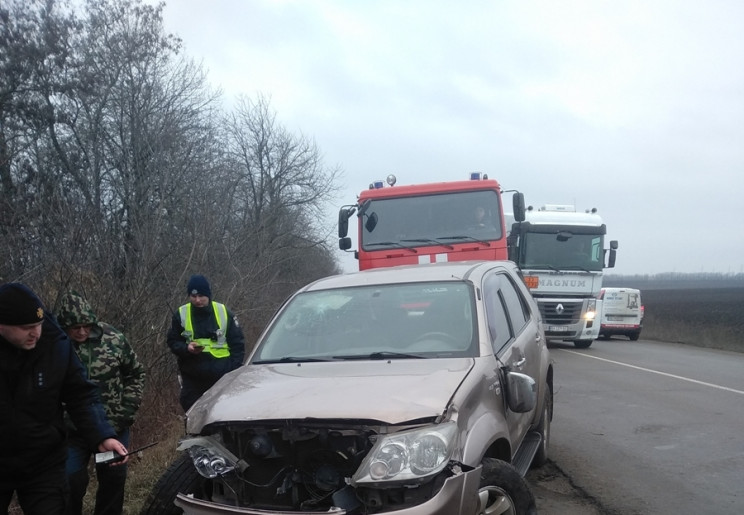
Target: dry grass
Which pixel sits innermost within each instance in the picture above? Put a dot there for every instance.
(145, 470)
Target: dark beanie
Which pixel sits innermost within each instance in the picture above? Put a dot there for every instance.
(19, 305)
(198, 284)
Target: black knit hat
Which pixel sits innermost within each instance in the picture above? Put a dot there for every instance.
(198, 284)
(19, 305)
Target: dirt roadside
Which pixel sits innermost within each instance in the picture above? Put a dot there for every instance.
(555, 495)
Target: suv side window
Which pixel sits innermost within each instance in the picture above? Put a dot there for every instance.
(515, 305)
(499, 327)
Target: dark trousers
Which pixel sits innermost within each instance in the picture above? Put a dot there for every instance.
(44, 494)
(111, 480)
(192, 389)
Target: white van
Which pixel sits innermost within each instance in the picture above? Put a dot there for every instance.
(622, 313)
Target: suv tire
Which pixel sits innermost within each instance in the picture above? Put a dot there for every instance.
(504, 488)
(181, 476)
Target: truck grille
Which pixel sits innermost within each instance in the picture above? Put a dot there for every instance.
(570, 314)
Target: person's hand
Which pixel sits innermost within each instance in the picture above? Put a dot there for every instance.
(195, 348)
(112, 444)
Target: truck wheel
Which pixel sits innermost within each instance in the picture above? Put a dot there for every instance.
(634, 336)
(543, 427)
(503, 490)
(180, 476)
(583, 344)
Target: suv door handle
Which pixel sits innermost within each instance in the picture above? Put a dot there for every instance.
(520, 363)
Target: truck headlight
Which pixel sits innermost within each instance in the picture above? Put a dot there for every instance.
(591, 309)
(408, 455)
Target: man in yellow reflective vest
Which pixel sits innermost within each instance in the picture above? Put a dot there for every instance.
(206, 338)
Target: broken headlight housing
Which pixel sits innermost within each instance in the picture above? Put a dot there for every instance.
(210, 457)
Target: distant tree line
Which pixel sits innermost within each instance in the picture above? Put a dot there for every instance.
(121, 174)
(673, 280)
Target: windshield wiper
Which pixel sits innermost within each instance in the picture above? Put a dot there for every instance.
(541, 265)
(426, 240)
(470, 238)
(393, 243)
(577, 267)
(382, 355)
(292, 359)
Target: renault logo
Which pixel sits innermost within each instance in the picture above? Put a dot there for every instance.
(559, 309)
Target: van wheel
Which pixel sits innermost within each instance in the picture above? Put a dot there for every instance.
(503, 490)
(543, 427)
(583, 344)
(634, 336)
(179, 477)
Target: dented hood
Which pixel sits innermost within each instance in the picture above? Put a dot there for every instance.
(391, 391)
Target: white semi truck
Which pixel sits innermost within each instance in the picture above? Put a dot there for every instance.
(562, 256)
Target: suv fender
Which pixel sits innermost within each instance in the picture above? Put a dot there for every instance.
(487, 430)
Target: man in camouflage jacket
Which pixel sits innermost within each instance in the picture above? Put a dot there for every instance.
(112, 365)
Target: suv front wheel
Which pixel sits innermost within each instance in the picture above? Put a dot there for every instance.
(503, 490)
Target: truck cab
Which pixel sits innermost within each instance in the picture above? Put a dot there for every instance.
(427, 223)
(562, 256)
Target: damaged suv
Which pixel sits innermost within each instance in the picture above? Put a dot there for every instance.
(406, 390)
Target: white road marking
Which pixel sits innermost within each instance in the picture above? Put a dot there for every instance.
(719, 387)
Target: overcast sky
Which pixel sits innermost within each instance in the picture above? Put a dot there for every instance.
(633, 107)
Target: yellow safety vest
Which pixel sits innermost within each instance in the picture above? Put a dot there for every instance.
(219, 348)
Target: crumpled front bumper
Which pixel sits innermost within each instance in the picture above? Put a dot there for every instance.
(458, 495)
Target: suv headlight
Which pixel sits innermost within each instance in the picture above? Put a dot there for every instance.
(210, 457)
(408, 455)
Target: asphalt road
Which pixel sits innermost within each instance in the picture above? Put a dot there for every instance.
(644, 428)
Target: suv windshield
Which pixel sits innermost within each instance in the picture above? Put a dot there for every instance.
(393, 321)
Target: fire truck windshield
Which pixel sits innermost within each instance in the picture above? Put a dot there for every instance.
(439, 219)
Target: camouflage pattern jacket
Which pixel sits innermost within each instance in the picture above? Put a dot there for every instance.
(109, 359)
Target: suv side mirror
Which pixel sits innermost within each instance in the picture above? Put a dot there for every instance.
(521, 392)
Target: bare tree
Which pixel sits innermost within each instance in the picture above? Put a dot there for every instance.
(120, 176)
(280, 188)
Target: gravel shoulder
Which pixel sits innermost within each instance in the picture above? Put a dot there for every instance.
(555, 495)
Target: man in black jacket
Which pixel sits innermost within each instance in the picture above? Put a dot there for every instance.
(206, 338)
(40, 378)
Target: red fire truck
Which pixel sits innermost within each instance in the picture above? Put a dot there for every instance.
(427, 223)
